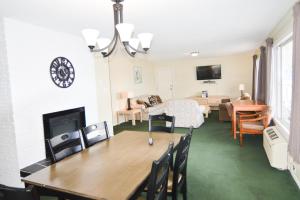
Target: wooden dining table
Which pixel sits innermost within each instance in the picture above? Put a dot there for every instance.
(244, 105)
(113, 170)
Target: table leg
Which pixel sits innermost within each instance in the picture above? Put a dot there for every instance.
(125, 118)
(133, 119)
(141, 113)
(118, 120)
(233, 121)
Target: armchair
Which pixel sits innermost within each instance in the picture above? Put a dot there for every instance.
(225, 110)
(252, 124)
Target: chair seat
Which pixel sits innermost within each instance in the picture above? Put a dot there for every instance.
(170, 180)
(253, 126)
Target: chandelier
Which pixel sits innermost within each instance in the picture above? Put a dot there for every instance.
(122, 32)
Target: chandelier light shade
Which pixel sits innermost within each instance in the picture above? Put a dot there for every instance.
(123, 32)
(146, 39)
(90, 36)
(134, 44)
(103, 43)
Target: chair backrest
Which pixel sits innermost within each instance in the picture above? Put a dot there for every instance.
(225, 100)
(162, 118)
(180, 165)
(95, 133)
(11, 193)
(64, 145)
(229, 108)
(158, 179)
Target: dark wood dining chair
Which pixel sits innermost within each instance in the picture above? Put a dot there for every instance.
(64, 145)
(161, 118)
(95, 133)
(178, 174)
(12, 193)
(158, 179)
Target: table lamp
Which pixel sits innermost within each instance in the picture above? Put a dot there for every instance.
(242, 88)
(128, 96)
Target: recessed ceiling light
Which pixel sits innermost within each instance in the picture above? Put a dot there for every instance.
(194, 53)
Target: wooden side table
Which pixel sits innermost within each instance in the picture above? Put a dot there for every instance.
(131, 113)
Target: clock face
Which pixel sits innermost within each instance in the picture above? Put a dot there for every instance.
(62, 72)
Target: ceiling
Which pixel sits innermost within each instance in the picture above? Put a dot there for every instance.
(212, 27)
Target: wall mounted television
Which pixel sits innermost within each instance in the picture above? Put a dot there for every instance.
(208, 72)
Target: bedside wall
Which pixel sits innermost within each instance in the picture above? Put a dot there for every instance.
(121, 67)
(236, 69)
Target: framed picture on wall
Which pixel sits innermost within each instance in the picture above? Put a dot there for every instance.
(137, 75)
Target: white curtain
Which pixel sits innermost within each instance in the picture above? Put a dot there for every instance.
(294, 140)
(273, 82)
(269, 57)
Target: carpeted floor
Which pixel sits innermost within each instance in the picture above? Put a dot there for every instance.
(218, 169)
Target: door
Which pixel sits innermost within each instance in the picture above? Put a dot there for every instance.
(164, 82)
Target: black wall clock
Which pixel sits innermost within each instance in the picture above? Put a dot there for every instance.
(62, 72)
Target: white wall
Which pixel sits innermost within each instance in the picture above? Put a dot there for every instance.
(283, 28)
(121, 74)
(9, 166)
(30, 51)
(103, 91)
(236, 69)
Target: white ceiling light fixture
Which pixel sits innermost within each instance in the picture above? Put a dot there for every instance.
(123, 32)
(194, 53)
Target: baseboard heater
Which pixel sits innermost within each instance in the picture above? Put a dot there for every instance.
(275, 146)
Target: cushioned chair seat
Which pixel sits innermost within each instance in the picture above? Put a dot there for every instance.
(253, 125)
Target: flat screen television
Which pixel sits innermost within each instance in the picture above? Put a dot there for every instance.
(209, 72)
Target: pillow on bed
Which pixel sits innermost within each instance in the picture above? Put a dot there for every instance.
(153, 100)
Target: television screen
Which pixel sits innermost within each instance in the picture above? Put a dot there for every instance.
(209, 72)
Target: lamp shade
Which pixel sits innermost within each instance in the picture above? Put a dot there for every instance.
(90, 36)
(103, 43)
(145, 39)
(134, 42)
(123, 95)
(130, 95)
(125, 31)
(241, 87)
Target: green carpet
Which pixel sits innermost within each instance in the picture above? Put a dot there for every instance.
(218, 169)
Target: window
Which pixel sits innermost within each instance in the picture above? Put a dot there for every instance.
(283, 87)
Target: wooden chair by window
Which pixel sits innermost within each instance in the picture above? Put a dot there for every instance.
(95, 133)
(161, 118)
(158, 179)
(177, 176)
(64, 145)
(253, 124)
(11, 193)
